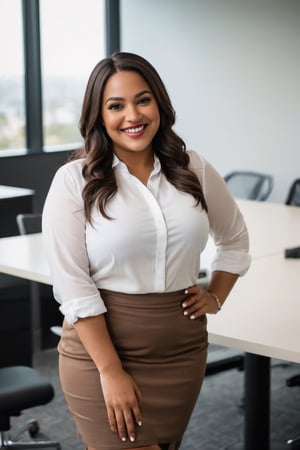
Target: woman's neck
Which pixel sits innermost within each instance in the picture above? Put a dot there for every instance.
(139, 164)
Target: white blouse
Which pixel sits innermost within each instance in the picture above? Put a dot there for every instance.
(152, 243)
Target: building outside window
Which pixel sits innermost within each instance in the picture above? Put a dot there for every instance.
(72, 41)
(12, 100)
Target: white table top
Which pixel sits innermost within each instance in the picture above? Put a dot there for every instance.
(24, 257)
(11, 192)
(261, 314)
(272, 226)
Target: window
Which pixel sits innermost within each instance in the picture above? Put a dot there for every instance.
(12, 110)
(48, 49)
(72, 42)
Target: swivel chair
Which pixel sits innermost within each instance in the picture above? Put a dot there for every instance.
(21, 388)
(249, 185)
(29, 223)
(293, 199)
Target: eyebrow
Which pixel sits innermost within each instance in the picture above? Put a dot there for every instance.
(140, 94)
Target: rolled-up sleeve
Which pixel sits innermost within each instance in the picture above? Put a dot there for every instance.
(227, 226)
(63, 227)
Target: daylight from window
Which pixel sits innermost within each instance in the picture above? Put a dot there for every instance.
(72, 42)
(12, 107)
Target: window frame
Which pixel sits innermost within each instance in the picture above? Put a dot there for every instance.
(32, 66)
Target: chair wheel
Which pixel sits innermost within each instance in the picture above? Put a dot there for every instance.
(33, 429)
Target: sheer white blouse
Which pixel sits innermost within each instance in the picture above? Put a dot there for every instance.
(152, 244)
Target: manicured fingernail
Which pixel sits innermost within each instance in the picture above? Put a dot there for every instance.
(184, 305)
(185, 313)
(192, 317)
(140, 423)
(123, 439)
(132, 438)
(186, 291)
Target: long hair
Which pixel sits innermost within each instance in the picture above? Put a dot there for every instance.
(98, 148)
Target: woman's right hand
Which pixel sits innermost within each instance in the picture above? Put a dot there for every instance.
(123, 401)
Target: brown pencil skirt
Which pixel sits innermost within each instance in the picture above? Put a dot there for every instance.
(164, 351)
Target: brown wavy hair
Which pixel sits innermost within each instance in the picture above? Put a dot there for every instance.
(98, 148)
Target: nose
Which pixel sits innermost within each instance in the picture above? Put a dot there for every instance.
(133, 114)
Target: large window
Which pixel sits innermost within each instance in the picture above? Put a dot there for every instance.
(47, 51)
(72, 42)
(12, 115)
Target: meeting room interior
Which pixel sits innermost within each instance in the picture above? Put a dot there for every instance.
(232, 71)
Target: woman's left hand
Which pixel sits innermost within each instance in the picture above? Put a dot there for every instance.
(198, 302)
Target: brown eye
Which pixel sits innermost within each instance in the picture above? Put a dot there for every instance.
(115, 106)
(144, 100)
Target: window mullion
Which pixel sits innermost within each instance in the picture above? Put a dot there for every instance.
(112, 8)
(33, 84)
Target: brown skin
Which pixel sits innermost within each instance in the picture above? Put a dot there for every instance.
(200, 302)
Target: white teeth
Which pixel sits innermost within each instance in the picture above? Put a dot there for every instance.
(135, 130)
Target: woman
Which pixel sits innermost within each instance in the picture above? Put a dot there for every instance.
(125, 222)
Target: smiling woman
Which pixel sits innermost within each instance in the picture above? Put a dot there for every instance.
(131, 119)
(125, 222)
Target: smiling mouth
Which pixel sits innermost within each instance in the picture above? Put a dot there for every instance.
(134, 130)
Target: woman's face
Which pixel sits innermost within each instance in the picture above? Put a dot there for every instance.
(130, 113)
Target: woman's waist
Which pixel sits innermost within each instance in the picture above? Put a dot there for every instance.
(138, 300)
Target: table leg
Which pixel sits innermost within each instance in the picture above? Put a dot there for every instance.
(257, 402)
(35, 316)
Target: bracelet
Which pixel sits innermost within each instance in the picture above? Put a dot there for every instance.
(217, 300)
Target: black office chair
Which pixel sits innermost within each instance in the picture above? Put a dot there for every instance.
(29, 223)
(293, 199)
(22, 388)
(250, 185)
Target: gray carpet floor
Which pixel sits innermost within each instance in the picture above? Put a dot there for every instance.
(217, 420)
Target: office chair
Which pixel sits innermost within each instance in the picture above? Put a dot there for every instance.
(249, 185)
(29, 223)
(293, 199)
(21, 388)
(32, 223)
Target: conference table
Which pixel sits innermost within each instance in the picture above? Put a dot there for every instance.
(260, 316)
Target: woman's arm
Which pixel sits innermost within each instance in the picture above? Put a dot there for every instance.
(64, 229)
(121, 394)
(200, 301)
(230, 235)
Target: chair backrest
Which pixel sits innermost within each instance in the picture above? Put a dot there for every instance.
(29, 223)
(250, 185)
(294, 194)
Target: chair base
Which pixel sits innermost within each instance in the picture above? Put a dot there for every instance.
(294, 443)
(10, 440)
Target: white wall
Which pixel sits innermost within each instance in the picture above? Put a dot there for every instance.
(232, 69)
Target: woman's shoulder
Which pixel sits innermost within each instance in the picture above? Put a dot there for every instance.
(72, 168)
(70, 174)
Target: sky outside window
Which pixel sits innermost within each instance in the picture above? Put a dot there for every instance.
(12, 107)
(72, 42)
